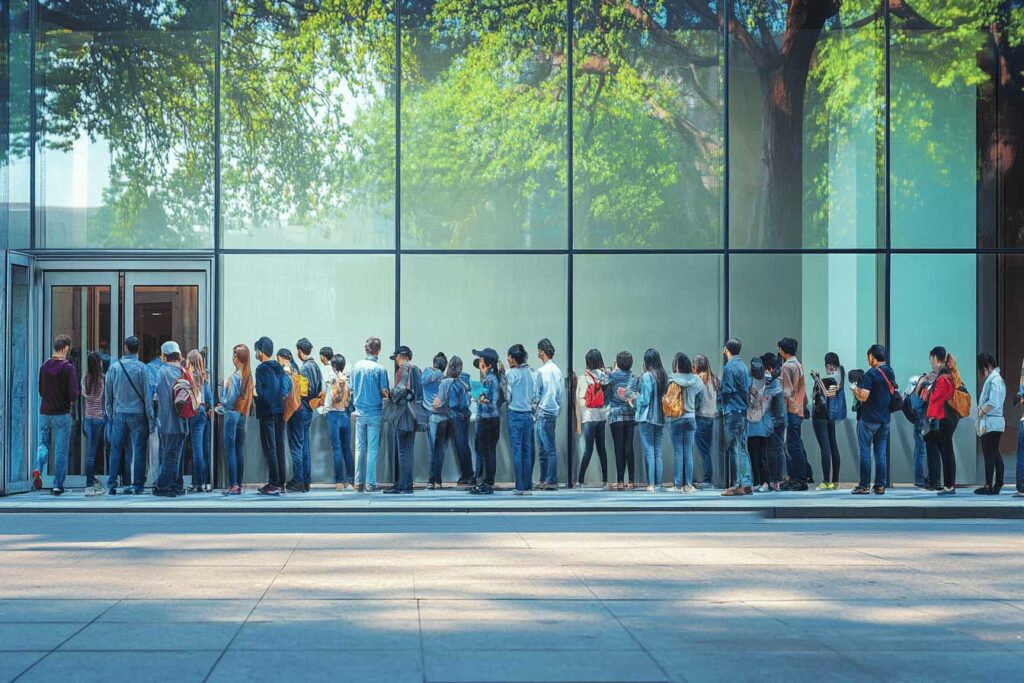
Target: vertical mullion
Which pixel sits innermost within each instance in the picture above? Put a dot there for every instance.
(33, 132)
(725, 190)
(215, 356)
(570, 255)
(398, 171)
(887, 171)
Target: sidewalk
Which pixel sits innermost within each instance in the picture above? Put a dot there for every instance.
(901, 502)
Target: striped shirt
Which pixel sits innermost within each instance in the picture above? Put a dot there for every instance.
(94, 401)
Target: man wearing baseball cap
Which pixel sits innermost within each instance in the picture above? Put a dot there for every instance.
(488, 424)
(172, 429)
(404, 392)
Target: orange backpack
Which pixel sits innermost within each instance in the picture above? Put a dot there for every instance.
(672, 403)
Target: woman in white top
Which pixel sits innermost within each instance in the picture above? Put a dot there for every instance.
(591, 414)
(991, 423)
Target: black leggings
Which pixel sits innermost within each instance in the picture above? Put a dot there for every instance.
(488, 429)
(993, 460)
(593, 432)
(825, 434)
(757, 446)
(622, 440)
(945, 443)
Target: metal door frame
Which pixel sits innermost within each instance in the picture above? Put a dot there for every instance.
(6, 455)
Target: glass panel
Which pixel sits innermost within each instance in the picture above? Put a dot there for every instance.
(335, 301)
(1001, 330)
(827, 302)
(308, 124)
(15, 170)
(458, 303)
(935, 104)
(83, 313)
(606, 318)
(647, 125)
(165, 312)
(19, 402)
(806, 125)
(125, 123)
(484, 125)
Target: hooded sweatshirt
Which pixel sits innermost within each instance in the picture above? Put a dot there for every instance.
(272, 385)
(692, 387)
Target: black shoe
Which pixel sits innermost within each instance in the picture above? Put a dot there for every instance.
(165, 493)
(111, 492)
(861, 490)
(407, 492)
(393, 489)
(982, 491)
(57, 491)
(295, 487)
(305, 488)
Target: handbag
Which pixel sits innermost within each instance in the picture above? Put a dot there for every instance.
(982, 426)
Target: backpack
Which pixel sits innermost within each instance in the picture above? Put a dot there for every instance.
(672, 403)
(910, 410)
(293, 399)
(756, 402)
(594, 396)
(186, 404)
(340, 394)
(895, 397)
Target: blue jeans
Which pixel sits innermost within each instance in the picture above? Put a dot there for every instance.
(681, 432)
(438, 435)
(458, 426)
(197, 437)
(870, 434)
(339, 432)
(234, 446)
(520, 437)
(651, 436)
(406, 443)
(125, 428)
(776, 450)
(298, 444)
(797, 464)
(705, 439)
(57, 427)
(920, 456)
(367, 448)
(546, 448)
(171, 447)
(1020, 460)
(736, 447)
(94, 429)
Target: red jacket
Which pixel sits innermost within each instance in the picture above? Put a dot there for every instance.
(941, 392)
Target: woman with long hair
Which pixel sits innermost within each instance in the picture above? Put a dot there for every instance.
(622, 382)
(196, 368)
(682, 428)
(94, 422)
(707, 417)
(236, 400)
(649, 416)
(758, 425)
(991, 423)
(591, 418)
(829, 408)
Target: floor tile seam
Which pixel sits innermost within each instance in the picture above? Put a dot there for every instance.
(638, 643)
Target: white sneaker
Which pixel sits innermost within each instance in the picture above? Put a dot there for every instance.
(689, 488)
(96, 489)
(651, 489)
(763, 488)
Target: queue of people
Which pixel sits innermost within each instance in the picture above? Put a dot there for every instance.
(758, 408)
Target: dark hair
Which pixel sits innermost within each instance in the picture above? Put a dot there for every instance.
(986, 361)
(131, 344)
(94, 371)
(877, 351)
(327, 352)
(938, 352)
(517, 352)
(652, 364)
(338, 362)
(440, 361)
(304, 346)
(756, 368)
(545, 346)
(832, 359)
(264, 345)
(734, 346)
(372, 346)
(172, 357)
(454, 367)
(701, 364)
(287, 355)
(681, 363)
(788, 345)
(624, 359)
(770, 361)
(594, 360)
(61, 342)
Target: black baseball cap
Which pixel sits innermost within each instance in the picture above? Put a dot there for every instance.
(488, 354)
(401, 351)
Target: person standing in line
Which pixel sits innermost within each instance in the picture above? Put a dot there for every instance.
(431, 379)
(310, 382)
(95, 421)
(991, 424)
(172, 427)
(445, 399)
(622, 381)
(707, 418)
(736, 382)
(403, 396)
(592, 414)
(58, 391)
(369, 387)
(488, 425)
(236, 396)
(519, 392)
(913, 410)
(337, 407)
(129, 404)
(649, 416)
(272, 386)
(199, 423)
(875, 393)
(683, 428)
(758, 426)
(549, 398)
(794, 389)
(459, 421)
(829, 407)
(943, 422)
(776, 444)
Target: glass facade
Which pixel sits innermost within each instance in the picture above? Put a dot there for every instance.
(466, 173)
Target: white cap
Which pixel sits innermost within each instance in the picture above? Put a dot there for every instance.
(169, 347)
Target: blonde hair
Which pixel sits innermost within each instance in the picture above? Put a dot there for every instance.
(197, 369)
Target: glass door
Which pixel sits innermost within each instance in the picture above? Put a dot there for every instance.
(16, 441)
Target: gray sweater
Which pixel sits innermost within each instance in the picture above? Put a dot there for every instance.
(692, 386)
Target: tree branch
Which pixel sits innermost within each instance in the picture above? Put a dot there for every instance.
(660, 35)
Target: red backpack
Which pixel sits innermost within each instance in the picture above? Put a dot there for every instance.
(594, 398)
(186, 403)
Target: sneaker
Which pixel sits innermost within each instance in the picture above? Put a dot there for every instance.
(269, 490)
(37, 480)
(112, 491)
(518, 492)
(879, 490)
(651, 489)
(165, 493)
(295, 487)
(764, 488)
(431, 486)
(393, 489)
(306, 488)
(981, 491)
(57, 491)
(90, 491)
(360, 488)
(947, 492)
(1019, 494)
(339, 487)
(371, 488)
(733, 491)
(860, 490)
(823, 486)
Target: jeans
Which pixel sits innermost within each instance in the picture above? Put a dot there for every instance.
(994, 465)
(298, 444)
(920, 456)
(520, 435)
(546, 448)
(593, 433)
(872, 435)
(705, 438)
(1020, 460)
(57, 427)
(339, 433)
(197, 437)
(736, 447)
(458, 425)
(439, 434)
(797, 461)
(406, 442)
(234, 446)
(367, 448)
(825, 434)
(757, 446)
(776, 451)
(125, 427)
(94, 428)
(171, 448)
(682, 432)
(625, 459)
(651, 437)
(272, 436)
(488, 430)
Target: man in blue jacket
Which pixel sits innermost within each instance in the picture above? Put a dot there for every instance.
(735, 395)
(272, 385)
